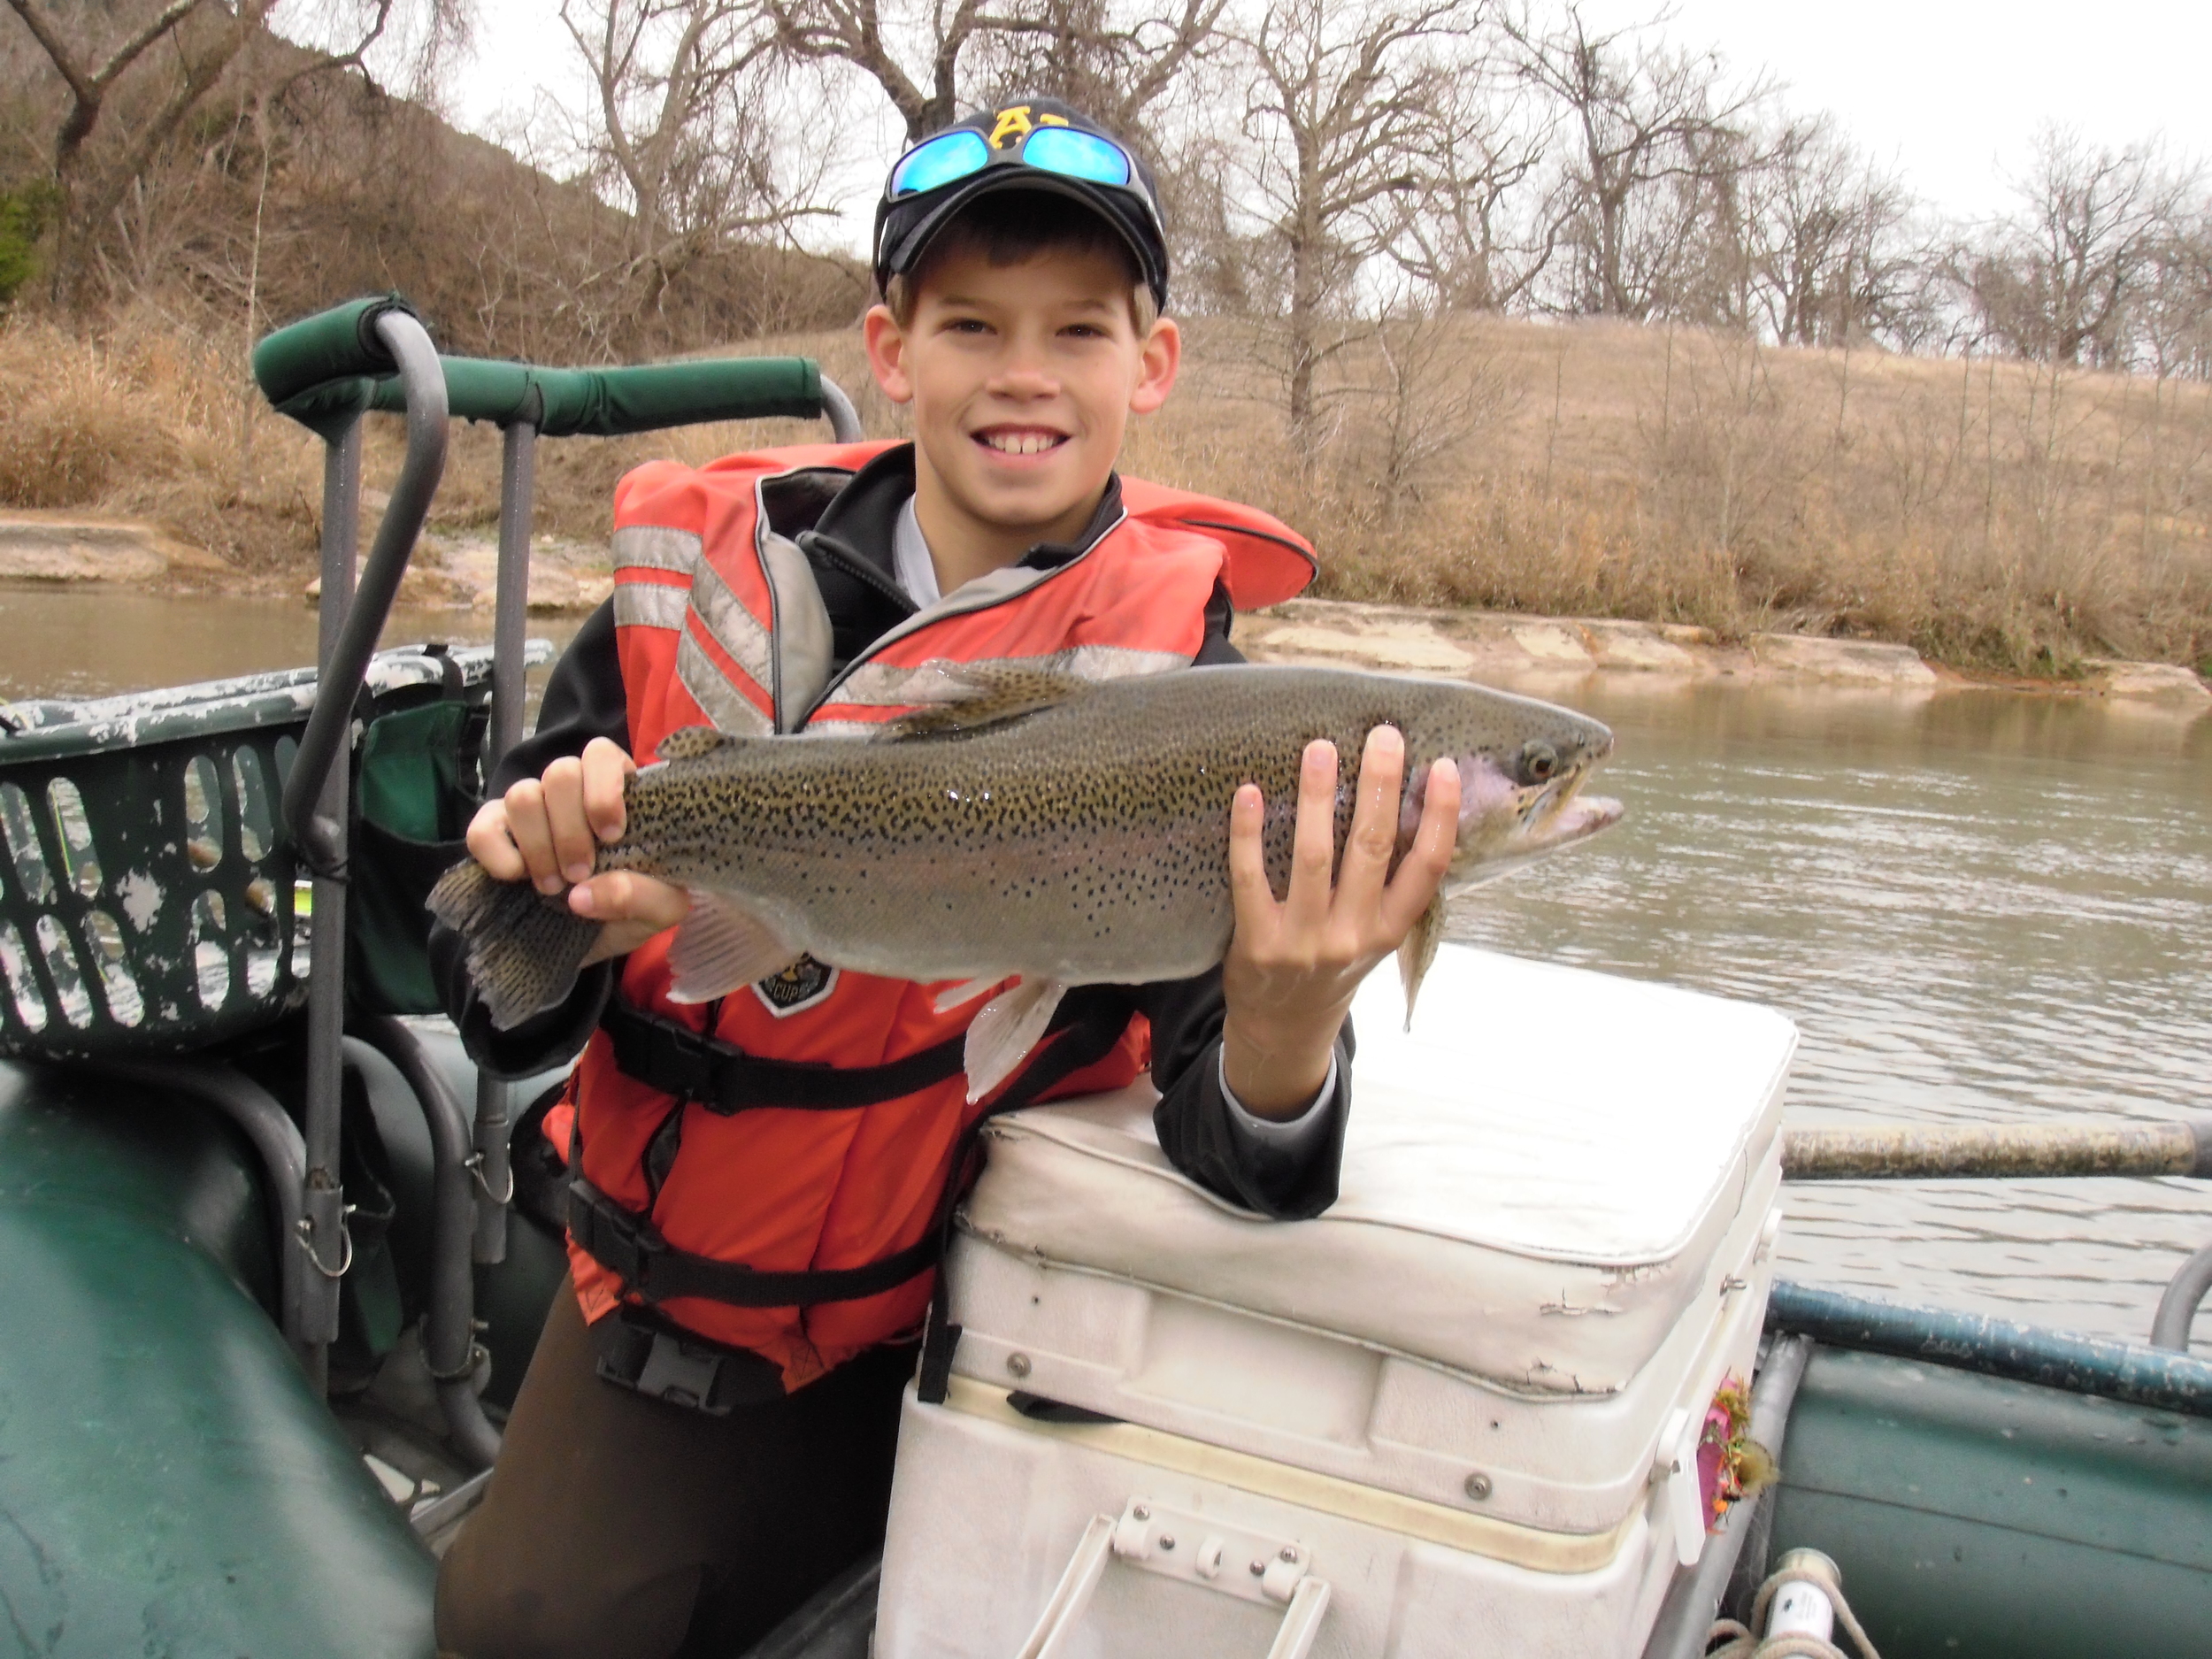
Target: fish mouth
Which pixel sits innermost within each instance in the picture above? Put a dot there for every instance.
(1504, 824)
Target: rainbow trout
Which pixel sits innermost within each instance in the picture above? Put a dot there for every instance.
(1030, 823)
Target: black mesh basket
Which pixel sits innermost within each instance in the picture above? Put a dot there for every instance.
(148, 900)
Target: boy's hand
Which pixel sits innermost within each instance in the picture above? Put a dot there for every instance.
(548, 831)
(1292, 966)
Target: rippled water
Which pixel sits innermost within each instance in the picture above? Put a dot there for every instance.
(1977, 906)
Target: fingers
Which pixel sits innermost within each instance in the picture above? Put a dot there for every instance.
(607, 769)
(1248, 891)
(623, 895)
(1422, 871)
(1373, 840)
(549, 830)
(492, 847)
(574, 846)
(531, 833)
(1313, 851)
(632, 907)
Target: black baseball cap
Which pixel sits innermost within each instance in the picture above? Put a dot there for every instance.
(1032, 144)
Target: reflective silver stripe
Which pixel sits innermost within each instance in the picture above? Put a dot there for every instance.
(735, 629)
(804, 639)
(650, 604)
(655, 547)
(882, 685)
(729, 709)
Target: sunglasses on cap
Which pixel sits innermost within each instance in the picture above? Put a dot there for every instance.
(1067, 152)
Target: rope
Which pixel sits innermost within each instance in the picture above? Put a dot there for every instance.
(1744, 1643)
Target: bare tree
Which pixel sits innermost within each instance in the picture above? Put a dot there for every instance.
(1470, 238)
(682, 137)
(2055, 281)
(1646, 128)
(2173, 309)
(132, 77)
(1828, 235)
(1115, 61)
(1338, 124)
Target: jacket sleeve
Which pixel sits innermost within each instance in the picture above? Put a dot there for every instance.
(1201, 1132)
(583, 700)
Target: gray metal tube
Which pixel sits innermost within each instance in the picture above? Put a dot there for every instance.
(2178, 1308)
(844, 420)
(322, 1204)
(1686, 1618)
(510, 609)
(1916, 1153)
(321, 838)
(275, 1137)
(448, 1338)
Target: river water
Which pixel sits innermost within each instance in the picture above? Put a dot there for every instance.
(1978, 907)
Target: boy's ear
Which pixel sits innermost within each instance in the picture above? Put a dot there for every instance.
(1160, 358)
(886, 344)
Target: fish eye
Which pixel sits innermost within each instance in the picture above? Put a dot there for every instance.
(1538, 761)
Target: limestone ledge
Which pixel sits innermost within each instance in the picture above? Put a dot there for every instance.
(462, 572)
(63, 547)
(1474, 644)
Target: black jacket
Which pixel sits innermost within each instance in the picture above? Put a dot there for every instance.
(850, 549)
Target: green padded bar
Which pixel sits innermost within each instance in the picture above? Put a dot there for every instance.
(332, 345)
(169, 1483)
(614, 402)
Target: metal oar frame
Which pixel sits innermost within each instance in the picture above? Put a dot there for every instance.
(327, 372)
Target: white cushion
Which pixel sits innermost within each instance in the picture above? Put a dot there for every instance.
(1535, 1177)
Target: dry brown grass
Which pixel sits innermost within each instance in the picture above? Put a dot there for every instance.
(1989, 513)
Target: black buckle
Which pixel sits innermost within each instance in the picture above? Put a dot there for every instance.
(637, 1354)
(613, 1238)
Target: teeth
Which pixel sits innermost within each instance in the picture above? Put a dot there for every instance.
(1021, 442)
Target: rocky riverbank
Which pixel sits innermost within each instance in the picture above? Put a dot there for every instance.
(1474, 644)
(458, 570)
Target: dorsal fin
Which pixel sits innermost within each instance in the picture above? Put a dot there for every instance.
(979, 695)
(691, 742)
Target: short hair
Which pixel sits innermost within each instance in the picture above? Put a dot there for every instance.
(1010, 227)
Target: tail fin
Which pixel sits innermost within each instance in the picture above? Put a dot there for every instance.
(524, 948)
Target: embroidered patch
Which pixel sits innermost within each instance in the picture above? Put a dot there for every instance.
(801, 984)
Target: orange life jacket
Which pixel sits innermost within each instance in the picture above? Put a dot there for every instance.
(765, 1211)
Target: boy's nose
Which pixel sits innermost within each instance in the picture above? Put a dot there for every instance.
(1023, 376)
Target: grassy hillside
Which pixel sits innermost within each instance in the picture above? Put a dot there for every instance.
(1989, 513)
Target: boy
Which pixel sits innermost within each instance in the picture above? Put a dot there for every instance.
(761, 1185)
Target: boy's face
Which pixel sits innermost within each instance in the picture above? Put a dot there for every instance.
(1022, 379)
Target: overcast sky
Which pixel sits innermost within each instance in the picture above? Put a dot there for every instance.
(1949, 91)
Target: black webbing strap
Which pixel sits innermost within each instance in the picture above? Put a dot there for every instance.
(664, 1055)
(629, 1245)
(1089, 1036)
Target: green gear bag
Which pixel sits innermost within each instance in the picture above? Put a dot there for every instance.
(413, 798)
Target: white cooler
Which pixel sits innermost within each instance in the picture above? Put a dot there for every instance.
(1456, 1415)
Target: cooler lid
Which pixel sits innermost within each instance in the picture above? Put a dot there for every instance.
(1544, 1143)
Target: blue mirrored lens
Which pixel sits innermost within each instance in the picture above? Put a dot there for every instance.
(1075, 155)
(940, 161)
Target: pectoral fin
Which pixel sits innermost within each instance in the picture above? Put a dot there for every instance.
(720, 947)
(1419, 950)
(1011, 1023)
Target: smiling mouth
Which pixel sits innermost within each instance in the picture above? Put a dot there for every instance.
(1020, 441)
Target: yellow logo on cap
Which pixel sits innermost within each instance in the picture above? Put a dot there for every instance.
(1015, 122)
